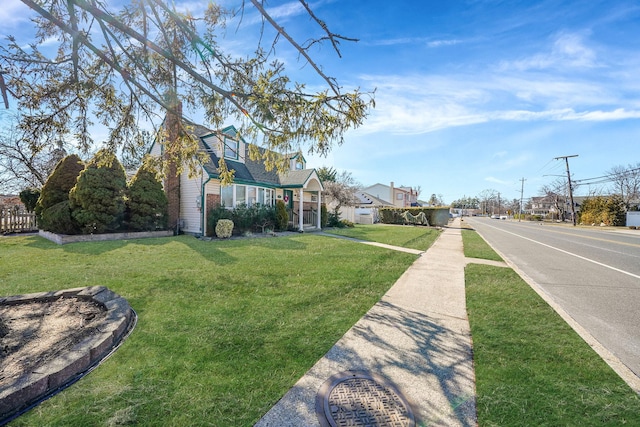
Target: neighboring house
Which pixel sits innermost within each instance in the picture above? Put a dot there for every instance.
(555, 205)
(400, 197)
(300, 189)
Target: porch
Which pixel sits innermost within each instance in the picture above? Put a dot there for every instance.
(310, 219)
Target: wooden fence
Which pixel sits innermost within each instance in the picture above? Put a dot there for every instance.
(12, 221)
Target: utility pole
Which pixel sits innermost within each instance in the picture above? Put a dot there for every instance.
(521, 193)
(573, 208)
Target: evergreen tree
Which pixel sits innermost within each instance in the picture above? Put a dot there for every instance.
(97, 200)
(282, 217)
(146, 201)
(56, 189)
(29, 197)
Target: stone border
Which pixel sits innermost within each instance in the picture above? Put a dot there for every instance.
(63, 239)
(31, 389)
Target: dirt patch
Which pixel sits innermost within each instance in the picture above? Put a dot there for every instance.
(33, 334)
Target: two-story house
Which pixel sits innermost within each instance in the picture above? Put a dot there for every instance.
(299, 188)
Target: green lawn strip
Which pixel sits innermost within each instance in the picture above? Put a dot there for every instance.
(476, 247)
(531, 367)
(409, 236)
(225, 328)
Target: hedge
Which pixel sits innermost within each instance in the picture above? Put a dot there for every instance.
(435, 216)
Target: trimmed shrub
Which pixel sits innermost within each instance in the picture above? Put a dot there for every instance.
(282, 217)
(323, 216)
(146, 201)
(435, 216)
(29, 198)
(57, 187)
(264, 217)
(214, 215)
(224, 228)
(59, 220)
(97, 199)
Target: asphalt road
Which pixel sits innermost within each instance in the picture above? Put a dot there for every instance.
(593, 274)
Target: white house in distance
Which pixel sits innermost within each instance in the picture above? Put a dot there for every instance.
(400, 197)
(300, 188)
(370, 199)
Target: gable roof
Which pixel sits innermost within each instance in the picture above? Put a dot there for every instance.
(250, 171)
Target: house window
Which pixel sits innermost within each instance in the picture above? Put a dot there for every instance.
(269, 197)
(226, 196)
(241, 194)
(251, 196)
(299, 166)
(400, 196)
(230, 148)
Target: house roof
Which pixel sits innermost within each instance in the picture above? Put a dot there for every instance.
(367, 199)
(250, 171)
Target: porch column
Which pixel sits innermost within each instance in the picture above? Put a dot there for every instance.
(318, 219)
(301, 210)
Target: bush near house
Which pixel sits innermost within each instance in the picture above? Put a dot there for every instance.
(56, 190)
(224, 228)
(97, 199)
(146, 201)
(245, 218)
(324, 217)
(282, 217)
(435, 216)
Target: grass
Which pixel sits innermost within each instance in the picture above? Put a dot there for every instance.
(225, 327)
(531, 367)
(476, 247)
(409, 236)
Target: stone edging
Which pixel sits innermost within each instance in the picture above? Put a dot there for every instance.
(62, 239)
(63, 371)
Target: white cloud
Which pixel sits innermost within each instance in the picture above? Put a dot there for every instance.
(568, 50)
(13, 14)
(496, 180)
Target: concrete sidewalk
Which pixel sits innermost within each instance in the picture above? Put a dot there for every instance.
(416, 337)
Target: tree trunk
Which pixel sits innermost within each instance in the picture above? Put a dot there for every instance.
(172, 180)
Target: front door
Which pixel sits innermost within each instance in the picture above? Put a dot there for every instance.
(288, 199)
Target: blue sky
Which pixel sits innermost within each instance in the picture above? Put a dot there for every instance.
(472, 95)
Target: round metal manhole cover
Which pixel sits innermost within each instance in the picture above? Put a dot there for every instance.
(354, 399)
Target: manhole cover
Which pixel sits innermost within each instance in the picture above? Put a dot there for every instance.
(354, 398)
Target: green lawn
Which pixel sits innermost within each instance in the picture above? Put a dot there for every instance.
(531, 368)
(225, 328)
(476, 247)
(406, 236)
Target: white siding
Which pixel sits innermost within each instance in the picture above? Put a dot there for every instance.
(190, 203)
(380, 191)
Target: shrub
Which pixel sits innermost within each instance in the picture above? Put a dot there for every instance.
(323, 216)
(224, 228)
(97, 199)
(264, 217)
(435, 216)
(57, 187)
(29, 198)
(59, 220)
(282, 217)
(214, 215)
(146, 201)
(242, 217)
(345, 223)
(333, 219)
